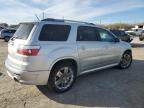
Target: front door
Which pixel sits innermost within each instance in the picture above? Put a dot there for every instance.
(92, 52)
(112, 47)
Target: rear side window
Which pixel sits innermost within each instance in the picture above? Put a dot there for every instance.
(23, 31)
(51, 32)
(86, 33)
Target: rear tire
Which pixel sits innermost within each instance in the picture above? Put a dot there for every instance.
(126, 60)
(7, 38)
(62, 77)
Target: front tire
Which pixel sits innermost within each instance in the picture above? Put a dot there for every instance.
(126, 60)
(7, 38)
(62, 77)
(141, 39)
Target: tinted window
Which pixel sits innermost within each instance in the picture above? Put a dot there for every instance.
(123, 33)
(115, 32)
(13, 31)
(52, 32)
(106, 36)
(86, 33)
(9, 31)
(6, 31)
(1, 28)
(23, 31)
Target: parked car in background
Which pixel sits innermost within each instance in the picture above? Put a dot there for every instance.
(6, 34)
(135, 32)
(54, 52)
(122, 35)
(141, 37)
(130, 32)
(1, 28)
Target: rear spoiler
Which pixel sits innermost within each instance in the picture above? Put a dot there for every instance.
(28, 23)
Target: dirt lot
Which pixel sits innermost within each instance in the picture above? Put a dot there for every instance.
(107, 88)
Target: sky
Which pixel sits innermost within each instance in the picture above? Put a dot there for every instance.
(96, 11)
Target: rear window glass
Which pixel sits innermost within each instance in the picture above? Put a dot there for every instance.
(51, 32)
(23, 31)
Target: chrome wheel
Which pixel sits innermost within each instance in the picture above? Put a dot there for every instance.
(64, 78)
(126, 60)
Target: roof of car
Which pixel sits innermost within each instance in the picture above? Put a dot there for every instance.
(63, 21)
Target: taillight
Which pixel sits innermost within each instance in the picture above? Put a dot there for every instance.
(29, 50)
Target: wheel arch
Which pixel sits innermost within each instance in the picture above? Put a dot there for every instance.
(128, 50)
(60, 60)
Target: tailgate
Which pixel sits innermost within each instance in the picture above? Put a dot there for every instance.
(14, 59)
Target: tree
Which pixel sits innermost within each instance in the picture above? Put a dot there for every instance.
(13, 26)
(119, 26)
(5, 25)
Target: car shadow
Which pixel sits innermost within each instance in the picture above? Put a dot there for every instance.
(111, 87)
(0, 74)
(137, 45)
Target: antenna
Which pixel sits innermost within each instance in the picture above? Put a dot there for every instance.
(37, 17)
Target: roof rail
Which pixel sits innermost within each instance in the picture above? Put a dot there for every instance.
(63, 20)
(79, 22)
(52, 19)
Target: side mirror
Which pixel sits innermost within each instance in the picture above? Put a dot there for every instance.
(117, 40)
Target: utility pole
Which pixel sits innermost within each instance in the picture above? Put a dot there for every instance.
(43, 15)
(120, 24)
(100, 21)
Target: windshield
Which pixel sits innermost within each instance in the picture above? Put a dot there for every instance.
(23, 31)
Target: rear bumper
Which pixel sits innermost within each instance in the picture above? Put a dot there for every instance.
(28, 77)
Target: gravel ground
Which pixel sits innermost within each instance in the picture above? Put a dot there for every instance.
(107, 88)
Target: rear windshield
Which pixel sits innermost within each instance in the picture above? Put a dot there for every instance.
(51, 32)
(23, 31)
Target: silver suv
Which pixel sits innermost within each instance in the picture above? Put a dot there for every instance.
(54, 52)
(6, 34)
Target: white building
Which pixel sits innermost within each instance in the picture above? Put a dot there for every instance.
(139, 27)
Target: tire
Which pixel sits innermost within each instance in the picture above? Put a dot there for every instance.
(126, 60)
(58, 74)
(141, 39)
(7, 38)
